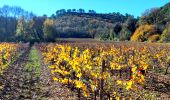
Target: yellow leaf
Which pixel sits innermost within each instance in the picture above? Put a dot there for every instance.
(119, 82)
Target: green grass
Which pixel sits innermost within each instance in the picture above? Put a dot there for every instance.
(33, 64)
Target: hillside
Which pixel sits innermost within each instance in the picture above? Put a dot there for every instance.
(81, 26)
(102, 26)
(160, 16)
(154, 25)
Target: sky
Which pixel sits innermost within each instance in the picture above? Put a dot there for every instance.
(49, 7)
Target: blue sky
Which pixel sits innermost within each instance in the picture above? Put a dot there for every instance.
(40, 7)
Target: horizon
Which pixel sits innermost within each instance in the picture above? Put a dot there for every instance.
(45, 7)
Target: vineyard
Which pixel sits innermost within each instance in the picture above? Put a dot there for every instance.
(107, 71)
(7, 52)
(84, 70)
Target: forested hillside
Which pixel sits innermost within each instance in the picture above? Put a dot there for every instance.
(17, 24)
(101, 26)
(154, 25)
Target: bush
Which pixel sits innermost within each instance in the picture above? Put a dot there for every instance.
(154, 38)
(165, 37)
(143, 33)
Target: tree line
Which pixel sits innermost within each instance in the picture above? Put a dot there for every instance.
(16, 24)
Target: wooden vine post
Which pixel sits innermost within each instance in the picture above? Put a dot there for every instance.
(120, 71)
(133, 59)
(101, 80)
(166, 72)
(95, 95)
(79, 94)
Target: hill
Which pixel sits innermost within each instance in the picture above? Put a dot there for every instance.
(154, 25)
(159, 16)
(92, 25)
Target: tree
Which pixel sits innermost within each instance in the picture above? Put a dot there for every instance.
(81, 11)
(112, 34)
(22, 30)
(92, 12)
(38, 27)
(9, 16)
(49, 29)
(130, 23)
(92, 33)
(117, 28)
(149, 11)
(165, 37)
(156, 16)
(68, 10)
(53, 16)
(32, 31)
(73, 10)
(5, 13)
(125, 34)
(60, 12)
(143, 33)
(150, 16)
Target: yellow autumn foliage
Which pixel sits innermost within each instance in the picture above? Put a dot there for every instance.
(143, 32)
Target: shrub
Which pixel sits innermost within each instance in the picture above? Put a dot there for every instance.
(143, 33)
(165, 37)
(154, 38)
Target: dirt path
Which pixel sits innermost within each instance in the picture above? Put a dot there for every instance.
(29, 79)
